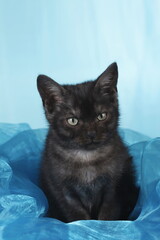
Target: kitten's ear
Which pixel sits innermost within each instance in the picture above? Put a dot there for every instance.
(107, 81)
(50, 91)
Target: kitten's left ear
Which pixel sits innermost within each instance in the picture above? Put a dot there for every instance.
(107, 81)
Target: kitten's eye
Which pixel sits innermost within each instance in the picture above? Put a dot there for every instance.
(72, 121)
(102, 116)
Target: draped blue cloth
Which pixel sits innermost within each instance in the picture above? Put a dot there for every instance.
(23, 204)
(73, 41)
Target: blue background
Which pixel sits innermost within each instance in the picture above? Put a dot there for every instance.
(75, 40)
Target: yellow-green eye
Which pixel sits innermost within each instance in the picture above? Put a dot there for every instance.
(102, 116)
(72, 121)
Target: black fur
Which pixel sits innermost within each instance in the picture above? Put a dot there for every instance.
(86, 172)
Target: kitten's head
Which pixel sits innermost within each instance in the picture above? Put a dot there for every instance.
(83, 115)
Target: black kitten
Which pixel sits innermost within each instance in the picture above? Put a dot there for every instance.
(86, 170)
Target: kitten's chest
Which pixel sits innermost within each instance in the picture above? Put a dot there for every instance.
(84, 166)
(86, 175)
(87, 167)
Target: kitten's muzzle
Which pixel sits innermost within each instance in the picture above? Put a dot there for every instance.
(91, 135)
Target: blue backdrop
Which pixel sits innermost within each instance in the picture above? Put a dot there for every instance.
(75, 40)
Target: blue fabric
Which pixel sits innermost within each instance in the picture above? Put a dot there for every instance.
(23, 204)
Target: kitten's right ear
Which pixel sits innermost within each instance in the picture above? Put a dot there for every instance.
(50, 91)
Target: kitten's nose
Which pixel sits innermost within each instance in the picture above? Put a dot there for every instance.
(91, 135)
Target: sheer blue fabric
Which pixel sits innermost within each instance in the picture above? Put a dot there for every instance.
(23, 204)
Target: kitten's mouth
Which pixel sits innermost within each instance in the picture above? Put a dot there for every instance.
(92, 144)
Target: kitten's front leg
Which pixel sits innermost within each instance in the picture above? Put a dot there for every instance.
(67, 208)
(74, 209)
(75, 214)
(109, 210)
